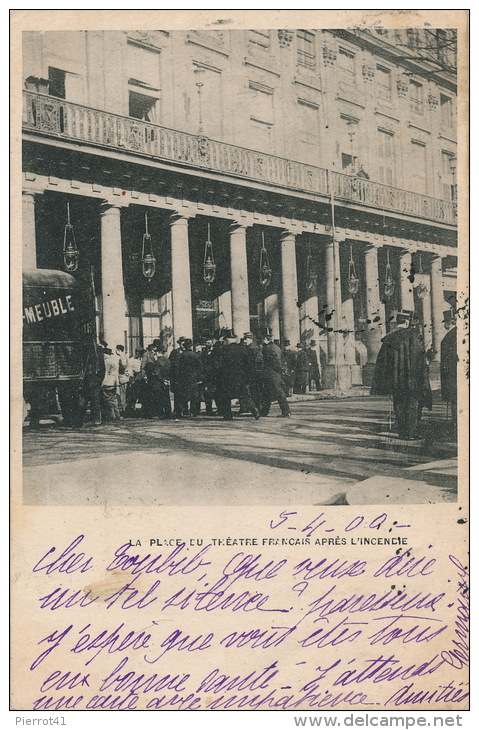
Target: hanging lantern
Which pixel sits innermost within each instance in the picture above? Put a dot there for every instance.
(71, 255)
(209, 266)
(148, 261)
(389, 282)
(421, 289)
(353, 281)
(311, 277)
(264, 267)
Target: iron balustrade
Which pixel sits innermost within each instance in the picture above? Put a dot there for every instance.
(69, 121)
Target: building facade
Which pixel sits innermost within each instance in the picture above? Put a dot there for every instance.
(301, 181)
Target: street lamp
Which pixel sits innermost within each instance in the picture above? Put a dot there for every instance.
(71, 254)
(199, 76)
(311, 276)
(421, 288)
(148, 261)
(353, 280)
(209, 266)
(389, 282)
(264, 267)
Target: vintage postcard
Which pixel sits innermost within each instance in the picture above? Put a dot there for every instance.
(240, 340)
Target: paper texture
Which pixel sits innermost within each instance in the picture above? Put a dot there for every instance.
(199, 567)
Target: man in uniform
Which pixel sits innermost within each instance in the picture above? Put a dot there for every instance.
(401, 371)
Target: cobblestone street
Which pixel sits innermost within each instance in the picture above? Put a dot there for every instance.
(331, 451)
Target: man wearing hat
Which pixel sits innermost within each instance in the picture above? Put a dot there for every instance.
(289, 365)
(253, 372)
(188, 377)
(313, 366)
(174, 355)
(232, 377)
(401, 371)
(158, 372)
(273, 384)
(301, 372)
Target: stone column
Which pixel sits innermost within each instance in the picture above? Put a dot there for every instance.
(239, 280)
(180, 279)
(427, 319)
(271, 311)
(374, 311)
(29, 246)
(289, 288)
(407, 290)
(437, 306)
(113, 293)
(336, 373)
(330, 301)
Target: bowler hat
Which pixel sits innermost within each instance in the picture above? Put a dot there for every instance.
(229, 334)
(312, 343)
(187, 342)
(250, 335)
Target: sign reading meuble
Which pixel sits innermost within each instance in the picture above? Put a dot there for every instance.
(47, 309)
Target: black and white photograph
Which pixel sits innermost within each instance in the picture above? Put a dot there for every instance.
(240, 266)
(240, 365)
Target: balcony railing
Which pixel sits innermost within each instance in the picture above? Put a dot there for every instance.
(63, 119)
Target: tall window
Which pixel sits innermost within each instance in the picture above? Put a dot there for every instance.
(416, 96)
(261, 117)
(211, 103)
(418, 167)
(259, 40)
(306, 51)
(65, 85)
(308, 132)
(56, 77)
(349, 144)
(383, 81)
(386, 160)
(143, 68)
(347, 66)
(448, 160)
(446, 111)
(143, 106)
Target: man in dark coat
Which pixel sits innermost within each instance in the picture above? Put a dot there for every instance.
(188, 375)
(232, 377)
(273, 384)
(208, 365)
(401, 371)
(253, 371)
(158, 372)
(289, 366)
(90, 389)
(174, 355)
(301, 373)
(449, 370)
(313, 366)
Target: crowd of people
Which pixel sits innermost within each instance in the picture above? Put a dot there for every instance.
(202, 378)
